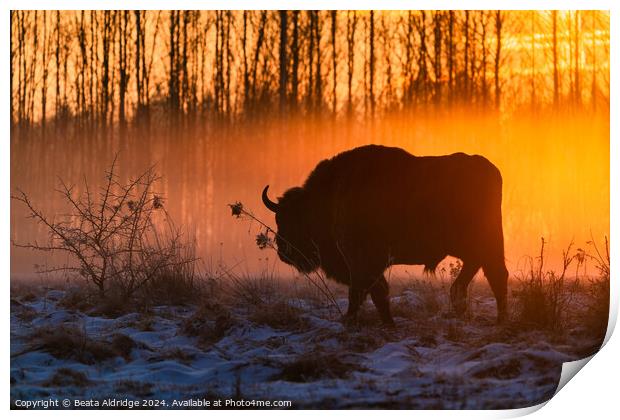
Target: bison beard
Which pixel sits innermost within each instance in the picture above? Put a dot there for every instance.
(374, 206)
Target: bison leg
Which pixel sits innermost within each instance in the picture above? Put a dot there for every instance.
(497, 275)
(458, 290)
(356, 298)
(379, 292)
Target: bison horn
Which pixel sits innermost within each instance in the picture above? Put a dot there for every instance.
(268, 203)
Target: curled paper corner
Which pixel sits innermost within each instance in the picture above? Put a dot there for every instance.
(611, 324)
(569, 370)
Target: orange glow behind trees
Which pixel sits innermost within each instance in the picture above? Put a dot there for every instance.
(226, 102)
(110, 66)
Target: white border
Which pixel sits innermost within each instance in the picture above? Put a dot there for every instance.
(593, 395)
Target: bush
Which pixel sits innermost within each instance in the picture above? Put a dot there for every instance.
(121, 238)
(544, 296)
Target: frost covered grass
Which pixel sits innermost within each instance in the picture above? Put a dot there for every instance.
(262, 338)
(559, 304)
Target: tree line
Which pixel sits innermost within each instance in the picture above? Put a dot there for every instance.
(108, 67)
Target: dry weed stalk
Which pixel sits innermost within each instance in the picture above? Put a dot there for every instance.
(544, 296)
(263, 240)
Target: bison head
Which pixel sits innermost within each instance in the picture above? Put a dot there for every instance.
(293, 239)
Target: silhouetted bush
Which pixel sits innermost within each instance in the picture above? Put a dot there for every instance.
(120, 239)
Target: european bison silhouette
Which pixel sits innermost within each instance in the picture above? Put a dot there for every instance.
(371, 207)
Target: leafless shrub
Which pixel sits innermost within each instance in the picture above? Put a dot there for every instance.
(544, 296)
(120, 238)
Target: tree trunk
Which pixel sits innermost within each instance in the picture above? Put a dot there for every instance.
(351, 26)
(45, 71)
(577, 35)
(283, 60)
(371, 64)
(334, 62)
(556, 81)
(437, 41)
(139, 52)
(295, 51)
(498, 50)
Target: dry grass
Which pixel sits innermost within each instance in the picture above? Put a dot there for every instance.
(428, 300)
(64, 377)
(454, 331)
(278, 314)
(543, 297)
(504, 370)
(137, 388)
(23, 312)
(23, 292)
(578, 308)
(177, 353)
(316, 365)
(269, 301)
(78, 298)
(173, 287)
(71, 343)
(597, 312)
(123, 345)
(597, 308)
(209, 323)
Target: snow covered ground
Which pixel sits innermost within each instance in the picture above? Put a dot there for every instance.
(291, 349)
